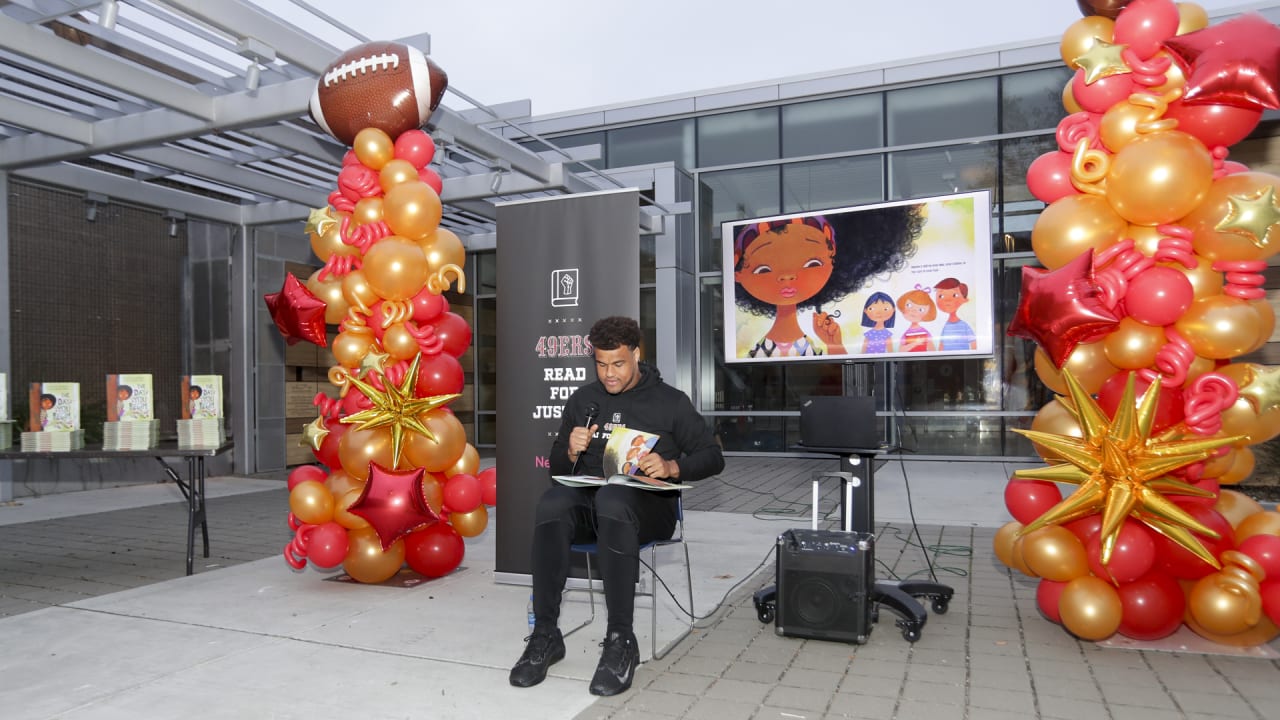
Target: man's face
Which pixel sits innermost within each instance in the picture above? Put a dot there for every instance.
(618, 369)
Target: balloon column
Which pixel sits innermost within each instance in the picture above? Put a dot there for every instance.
(400, 483)
(1153, 244)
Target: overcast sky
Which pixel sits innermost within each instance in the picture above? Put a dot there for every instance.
(575, 54)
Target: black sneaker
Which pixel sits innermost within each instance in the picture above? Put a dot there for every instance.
(617, 664)
(542, 649)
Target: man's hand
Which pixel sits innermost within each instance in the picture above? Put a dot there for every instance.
(654, 466)
(579, 439)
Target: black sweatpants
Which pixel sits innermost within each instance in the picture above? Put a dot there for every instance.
(619, 520)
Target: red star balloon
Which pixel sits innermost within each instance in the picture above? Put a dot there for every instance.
(298, 314)
(393, 504)
(1232, 63)
(1062, 308)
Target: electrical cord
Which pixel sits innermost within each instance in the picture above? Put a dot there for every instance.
(689, 612)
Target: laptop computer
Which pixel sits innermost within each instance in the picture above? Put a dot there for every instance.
(834, 421)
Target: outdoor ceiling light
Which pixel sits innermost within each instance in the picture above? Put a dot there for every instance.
(107, 13)
(92, 200)
(256, 52)
(252, 76)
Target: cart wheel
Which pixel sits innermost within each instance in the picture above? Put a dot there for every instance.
(910, 635)
(940, 606)
(765, 614)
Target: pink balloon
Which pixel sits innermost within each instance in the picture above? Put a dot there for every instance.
(1048, 592)
(428, 306)
(415, 146)
(1151, 607)
(431, 178)
(462, 493)
(1085, 527)
(355, 401)
(1099, 95)
(1158, 296)
(1266, 550)
(1132, 556)
(454, 332)
(488, 486)
(327, 545)
(1182, 563)
(1144, 25)
(1027, 500)
(439, 374)
(1231, 167)
(1049, 176)
(302, 473)
(1216, 124)
(1169, 408)
(434, 551)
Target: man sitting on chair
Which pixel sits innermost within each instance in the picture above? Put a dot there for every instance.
(617, 518)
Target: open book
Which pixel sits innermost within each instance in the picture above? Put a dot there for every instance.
(622, 455)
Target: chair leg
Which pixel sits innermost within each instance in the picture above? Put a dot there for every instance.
(688, 574)
(591, 596)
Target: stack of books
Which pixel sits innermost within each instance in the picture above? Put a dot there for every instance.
(52, 440)
(6, 422)
(201, 433)
(201, 425)
(130, 435)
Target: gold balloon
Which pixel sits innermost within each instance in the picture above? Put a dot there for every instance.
(1146, 239)
(468, 463)
(1266, 319)
(1205, 281)
(1004, 540)
(1256, 411)
(1199, 366)
(1069, 100)
(399, 343)
(443, 248)
(1266, 522)
(355, 288)
(358, 448)
(1235, 240)
(366, 561)
(311, 502)
(1090, 608)
(1264, 632)
(1241, 467)
(1159, 177)
(1054, 418)
(1019, 563)
(1088, 362)
(1082, 34)
(329, 243)
(1236, 506)
(1191, 17)
(470, 524)
(441, 453)
(374, 148)
(1119, 124)
(433, 492)
(350, 347)
(1055, 553)
(340, 481)
(330, 291)
(1227, 602)
(1218, 464)
(413, 209)
(1220, 326)
(395, 267)
(395, 173)
(367, 210)
(1133, 345)
(1072, 225)
(342, 511)
(1173, 77)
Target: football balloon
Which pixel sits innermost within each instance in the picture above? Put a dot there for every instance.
(386, 85)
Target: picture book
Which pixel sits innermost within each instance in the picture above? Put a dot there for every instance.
(622, 455)
(4, 397)
(54, 407)
(201, 396)
(129, 397)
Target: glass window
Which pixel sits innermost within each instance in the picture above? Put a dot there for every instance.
(824, 184)
(942, 171)
(570, 141)
(1033, 100)
(654, 143)
(738, 137)
(733, 195)
(484, 344)
(1016, 155)
(942, 112)
(486, 272)
(836, 125)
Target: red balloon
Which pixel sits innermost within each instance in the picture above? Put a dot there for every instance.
(303, 473)
(1182, 563)
(488, 486)
(415, 146)
(298, 314)
(462, 493)
(1085, 527)
(1047, 594)
(327, 545)
(1144, 25)
(434, 551)
(432, 179)
(1231, 167)
(393, 504)
(1223, 63)
(355, 401)
(1152, 607)
(454, 332)
(1214, 125)
(328, 452)
(1266, 550)
(1049, 176)
(1169, 408)
(1158, 296)
(1132, 555)
(1062, 308)
(428, 306)
(1099, 95)
(1270, 592)
(439, 374)
(1027, 500)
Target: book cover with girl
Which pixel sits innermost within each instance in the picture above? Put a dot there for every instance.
(129, 398)
(201, 396)
(54, 407)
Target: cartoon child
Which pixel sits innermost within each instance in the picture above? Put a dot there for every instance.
(956, 333)
(123, 393)
(878, 314)
(917, 306)
(47, 401)
(193, 400)
(782, 266)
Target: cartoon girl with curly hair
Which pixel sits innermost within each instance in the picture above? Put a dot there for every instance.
(782, 266)
(917, 307)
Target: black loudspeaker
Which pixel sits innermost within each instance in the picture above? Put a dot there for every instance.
(824, 584)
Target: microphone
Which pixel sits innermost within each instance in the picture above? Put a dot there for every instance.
(592, 411)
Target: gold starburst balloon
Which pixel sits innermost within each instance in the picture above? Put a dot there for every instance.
(314, 433)
(1123, 471)
(396, 407)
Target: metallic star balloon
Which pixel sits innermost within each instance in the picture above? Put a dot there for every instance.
(320, 220)
(1062, 308)
(1262, 388)
(1253, 217)
(314, 433)
(298, 314)
(397, 407)
(393, 504)
(373, 361)
(1122, 471)
(1232, 63)
(1102, 60)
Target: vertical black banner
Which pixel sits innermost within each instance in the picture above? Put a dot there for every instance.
(563, 263)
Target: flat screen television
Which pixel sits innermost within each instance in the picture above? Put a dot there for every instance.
(891, 281)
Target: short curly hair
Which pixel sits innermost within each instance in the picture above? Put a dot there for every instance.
(867, 242)
(613, 332)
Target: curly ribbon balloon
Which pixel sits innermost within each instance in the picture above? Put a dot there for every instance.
(294, 522)
(1220, 153)
(295, 553)
(339, 266)
(395, 311)
(1244, 278)
(340, 377)
(1152, 120)
(1149, 72)
(428, 341)
(363, 236)
(1122, 263)
(1089, 168)
(1205, 400)
(1172, 361)
(1176, 246)
(1240, 576)
(355, 182)
(439, 282)
(393, 374)
(328, 407)
(1076, 127)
